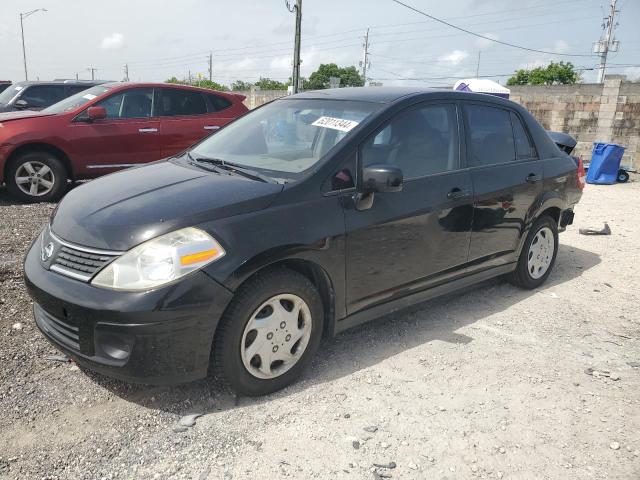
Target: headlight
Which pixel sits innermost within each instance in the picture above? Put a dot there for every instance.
(160, 260)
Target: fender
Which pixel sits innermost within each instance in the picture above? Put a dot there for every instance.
(320, 261)
(548, 199)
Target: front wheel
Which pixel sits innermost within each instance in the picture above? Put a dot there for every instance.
(269, 333)
(538, 254)
(37, 177)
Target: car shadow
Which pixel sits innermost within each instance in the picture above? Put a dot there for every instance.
(364, 346)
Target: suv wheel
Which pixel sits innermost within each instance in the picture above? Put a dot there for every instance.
(269, 333)
(538, 254)
(37, 177)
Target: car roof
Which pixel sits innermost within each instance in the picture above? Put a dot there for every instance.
(123, 85)
(363, 94)
(394, 94)
(89, 83)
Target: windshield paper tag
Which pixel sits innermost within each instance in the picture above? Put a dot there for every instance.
(89, 96)
(335, 124)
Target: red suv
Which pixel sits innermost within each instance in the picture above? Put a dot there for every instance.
(104, 129)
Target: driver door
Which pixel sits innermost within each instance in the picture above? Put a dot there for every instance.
(409, 240)
(129, 136)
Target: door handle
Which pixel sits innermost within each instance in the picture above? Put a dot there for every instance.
(456, 194)
(148, 130)
(211, 127)
(533, 178)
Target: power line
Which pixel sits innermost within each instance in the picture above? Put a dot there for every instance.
(484, 36)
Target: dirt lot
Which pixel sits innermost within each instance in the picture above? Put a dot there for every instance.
(493, 382)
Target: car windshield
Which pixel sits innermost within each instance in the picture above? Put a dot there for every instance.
(11, 91)
(286, 137)
(77, 100)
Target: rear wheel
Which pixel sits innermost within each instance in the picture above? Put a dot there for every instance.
(538, 254)
(37, 177)
(269, 333)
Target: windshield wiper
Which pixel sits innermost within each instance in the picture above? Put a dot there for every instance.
(232, 167)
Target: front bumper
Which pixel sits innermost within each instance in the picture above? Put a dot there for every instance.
(159, 337)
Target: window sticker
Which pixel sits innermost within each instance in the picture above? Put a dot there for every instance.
(89, 96)
(335, 124)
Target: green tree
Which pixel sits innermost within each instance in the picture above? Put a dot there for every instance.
(349, 77)
(553, 74)
(204, 83)
(201, 82)
(241, 86)
(268, 84)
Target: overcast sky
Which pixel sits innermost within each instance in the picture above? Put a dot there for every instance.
(249, 39)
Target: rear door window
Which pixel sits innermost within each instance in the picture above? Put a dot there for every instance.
(524, 147)
(490, 135)
(178, 102)
(41, 96)
(133, 103)
(218, 103)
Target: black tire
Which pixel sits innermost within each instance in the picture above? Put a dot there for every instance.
(227, 358)
(623, 176)
(521, 276)
(58, 177)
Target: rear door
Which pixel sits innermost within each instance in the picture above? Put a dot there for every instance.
(507, 181)
(411, 239)
(128, 136)
(183, 119)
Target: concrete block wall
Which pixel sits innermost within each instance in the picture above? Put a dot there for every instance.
(608, 112)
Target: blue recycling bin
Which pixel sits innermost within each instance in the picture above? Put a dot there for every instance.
(605, 163)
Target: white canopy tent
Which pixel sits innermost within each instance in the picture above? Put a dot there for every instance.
(482, 85)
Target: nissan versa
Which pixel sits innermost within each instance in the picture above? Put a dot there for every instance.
(309, 215)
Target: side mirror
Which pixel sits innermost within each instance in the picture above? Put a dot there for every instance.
(96, 113)
(382, 178)
(21, 104)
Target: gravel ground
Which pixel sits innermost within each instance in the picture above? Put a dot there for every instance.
(493, 382)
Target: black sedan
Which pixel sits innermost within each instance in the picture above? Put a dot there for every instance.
(307, 216)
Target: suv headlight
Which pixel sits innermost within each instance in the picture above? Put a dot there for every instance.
(160, 261)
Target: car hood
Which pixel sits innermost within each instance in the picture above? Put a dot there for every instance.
(119, 211)
(9, 115)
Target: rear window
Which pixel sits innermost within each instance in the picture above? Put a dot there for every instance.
(218, 103)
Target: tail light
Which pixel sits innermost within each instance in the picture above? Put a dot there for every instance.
(581, 174)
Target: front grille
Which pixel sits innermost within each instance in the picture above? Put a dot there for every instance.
(63, 332)
(82, 263)
(77, 262)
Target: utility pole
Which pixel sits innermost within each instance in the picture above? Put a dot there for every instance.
(365, 57)
(24, 50)
(295, 78)
(126, 72)
(478, 66)
(93, 72)
(607, 42)
(211, 67)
